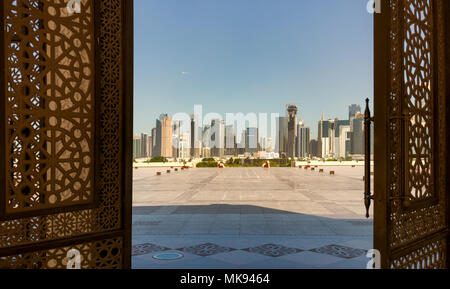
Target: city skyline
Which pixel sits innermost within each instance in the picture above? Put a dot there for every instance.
(195, 135)
(351, 109)
(196, 52)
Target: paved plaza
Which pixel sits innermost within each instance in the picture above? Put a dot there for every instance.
(250, 218)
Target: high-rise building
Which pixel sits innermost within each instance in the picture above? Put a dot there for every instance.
(166, 137)
(241, 143)
(329, 142)
(196, 134)
(206, 152)
(217, 138)
(136, 146)
(269, 145)
(193, 136)
(144, 149)
(262, 143)
(303, 140)
(149, 146)
(176, 137)
(313, 145)
(344, 141)
(183, 150)
(206, 140)
(338, 149)
(352, 110)
(282, 136)
(230, 141)
(158, 141)
(292, 130)
(251, 140)
(322, 137)
(154, 138)
(357, 136)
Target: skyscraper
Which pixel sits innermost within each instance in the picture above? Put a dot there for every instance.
(176, 137)
(251, 140)
(158, 140)
(136, 146)
(282, 136)
(144, 150)
(217, 138)
(206, 140)
(183, 146)
(193, 136)
(344, 141)
(292, 130)
(154, 151)
(166, 136)
(329, 143)
(357, 136)
(241, 143)
(339, 140)
(303, 140)
(269, 145)
(322, 137)
(313, 148)
(352, 110)
(149, 146)
(230, 140)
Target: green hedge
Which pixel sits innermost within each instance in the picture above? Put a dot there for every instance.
(209, 164)
(158, 159)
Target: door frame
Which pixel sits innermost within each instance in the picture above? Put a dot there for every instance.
(446, 6)
(127, 183)
(125, 157)
(382, 78)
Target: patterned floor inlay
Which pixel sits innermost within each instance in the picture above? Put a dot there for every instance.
(145, 223)
(340, 251)
(206, 249)
(273, 250)
(142, 249)
(360, 222)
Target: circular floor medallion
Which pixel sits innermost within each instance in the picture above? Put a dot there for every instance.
(168, 256)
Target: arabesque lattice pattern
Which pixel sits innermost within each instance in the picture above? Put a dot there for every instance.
(73, 120)
(106, 254)
(430, 256)
(416, 113)
(418, 90)
(49, 104)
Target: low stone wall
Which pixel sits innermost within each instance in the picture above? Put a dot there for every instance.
(162, 165)
(331, 163)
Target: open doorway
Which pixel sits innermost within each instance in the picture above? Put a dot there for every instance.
(249, 139)
(68, 133)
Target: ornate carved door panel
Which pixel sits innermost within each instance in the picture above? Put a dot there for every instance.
(65, 169)
(411, 96)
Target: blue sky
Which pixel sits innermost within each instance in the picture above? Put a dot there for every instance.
(251, 56)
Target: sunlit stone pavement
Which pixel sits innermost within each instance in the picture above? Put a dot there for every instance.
(250, 218)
